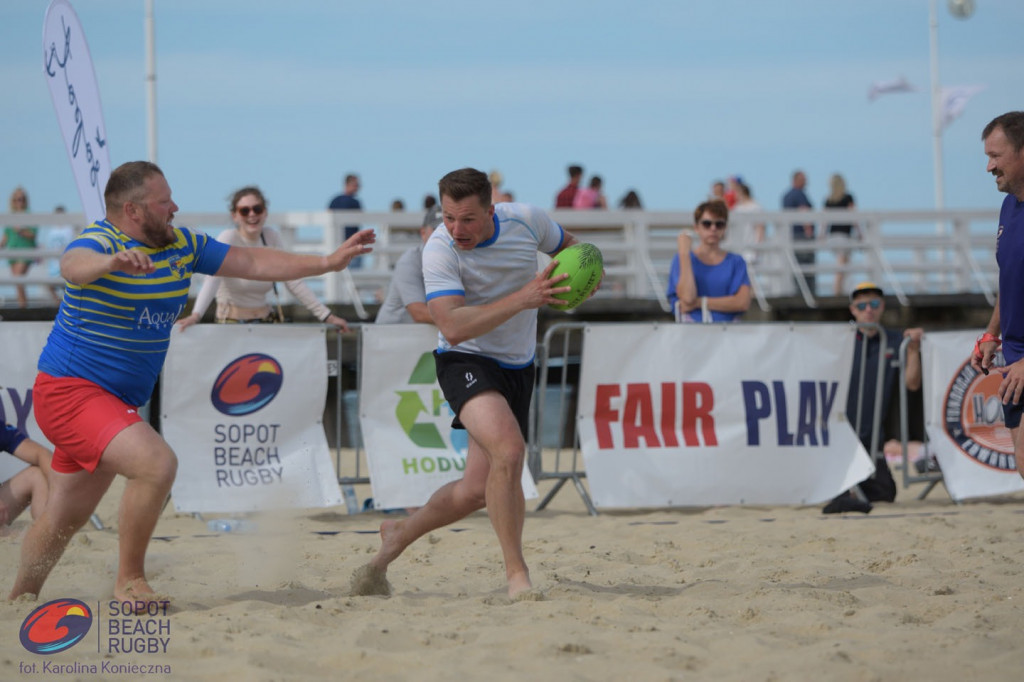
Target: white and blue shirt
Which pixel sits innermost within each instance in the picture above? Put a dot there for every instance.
(492, 270)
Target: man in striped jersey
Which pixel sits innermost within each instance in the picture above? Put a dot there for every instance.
(127, 282)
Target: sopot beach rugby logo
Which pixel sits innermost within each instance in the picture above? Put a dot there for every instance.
(56, 626)
(973, 417)
(247, 384)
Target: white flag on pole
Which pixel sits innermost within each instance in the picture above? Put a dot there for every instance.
(76, 99)
(954, 101)
(900, 84)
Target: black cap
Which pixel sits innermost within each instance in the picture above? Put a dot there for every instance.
(866, 288)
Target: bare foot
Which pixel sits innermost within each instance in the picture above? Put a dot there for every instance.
(519, 584)
(531, 594)
(369, 580)
(390, 545)
(23, 598)
(136, 596)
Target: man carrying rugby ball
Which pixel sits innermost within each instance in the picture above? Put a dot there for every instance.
(483, 292)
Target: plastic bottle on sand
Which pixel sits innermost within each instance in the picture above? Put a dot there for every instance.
(231, 526)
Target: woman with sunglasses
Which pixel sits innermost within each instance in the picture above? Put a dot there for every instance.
(245, 300)
(706, 283)
(19, 237)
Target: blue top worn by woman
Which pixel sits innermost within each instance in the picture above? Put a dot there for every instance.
(724, 279)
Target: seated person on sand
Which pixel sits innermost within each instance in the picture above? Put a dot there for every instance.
(873, 344)
(28, 487)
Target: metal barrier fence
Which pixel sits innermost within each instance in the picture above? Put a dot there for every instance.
(562, 348)
(553, 449)
(906, 252)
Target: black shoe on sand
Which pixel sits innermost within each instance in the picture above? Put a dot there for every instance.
(846, 503)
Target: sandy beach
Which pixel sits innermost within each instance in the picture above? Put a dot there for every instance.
(917, 590)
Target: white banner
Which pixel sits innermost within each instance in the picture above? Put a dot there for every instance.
(964, 419)
(76, 100)
(690, 415)
(411, 449)
(23, 342)
(242, 406)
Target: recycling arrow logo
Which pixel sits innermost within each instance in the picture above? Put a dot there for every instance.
(411, 406)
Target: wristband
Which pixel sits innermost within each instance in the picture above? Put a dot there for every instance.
(326, 315)
(985, 338)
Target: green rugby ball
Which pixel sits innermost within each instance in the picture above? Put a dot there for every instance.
(585, 266)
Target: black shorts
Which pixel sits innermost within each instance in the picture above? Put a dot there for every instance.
(464, 375)
(1011, 414)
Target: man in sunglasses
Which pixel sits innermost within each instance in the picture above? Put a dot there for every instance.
(874, 343)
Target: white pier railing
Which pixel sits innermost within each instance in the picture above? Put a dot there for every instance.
(906, 252)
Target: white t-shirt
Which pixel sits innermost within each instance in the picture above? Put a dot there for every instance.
(494, 269)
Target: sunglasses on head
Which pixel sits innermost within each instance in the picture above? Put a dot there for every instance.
(258, 209)
(863, 305)
(708, 224)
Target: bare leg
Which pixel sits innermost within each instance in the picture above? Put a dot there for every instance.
(20, 269)
(449, 503)
(493, 427)
(493, 473)
(144, 458)
(27, 487)
(842, 258)
(72, 499)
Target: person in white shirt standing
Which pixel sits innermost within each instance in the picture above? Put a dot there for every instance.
(245, 300)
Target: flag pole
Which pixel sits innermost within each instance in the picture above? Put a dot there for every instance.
(150, 82)
(933, 42)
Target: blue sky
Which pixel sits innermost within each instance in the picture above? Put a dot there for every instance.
(654, 95)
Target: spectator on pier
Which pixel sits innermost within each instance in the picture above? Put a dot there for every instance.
(706, 283)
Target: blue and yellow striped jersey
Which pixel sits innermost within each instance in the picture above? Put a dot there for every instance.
(115, 330)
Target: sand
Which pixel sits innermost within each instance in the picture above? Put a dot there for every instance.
(917, 590)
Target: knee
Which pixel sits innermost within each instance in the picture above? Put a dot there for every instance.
(475, 498)
(509, 461)
(162, 467)
(168, 468)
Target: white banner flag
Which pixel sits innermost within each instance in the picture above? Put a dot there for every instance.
(691, 415)
(878, 88)
(954, 101)
(411, 448)
(69, 73)
(242, 406)
(24, 342)
(964, 419)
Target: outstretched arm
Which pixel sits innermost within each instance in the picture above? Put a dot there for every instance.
(272, 265)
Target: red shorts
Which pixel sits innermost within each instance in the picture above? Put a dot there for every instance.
(80, 419)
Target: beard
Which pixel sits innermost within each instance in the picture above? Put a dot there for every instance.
(157, 232)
